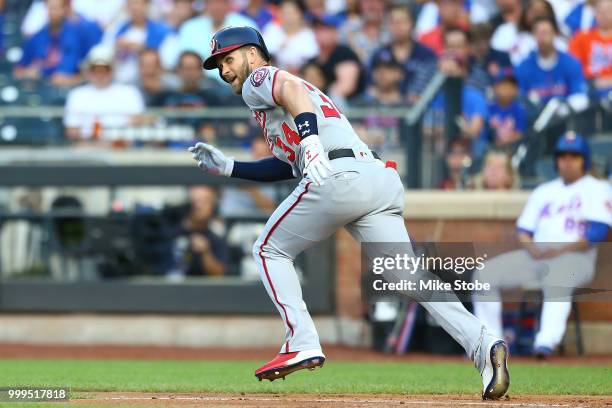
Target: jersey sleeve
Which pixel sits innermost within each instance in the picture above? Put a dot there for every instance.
(528, 221)
(598, 207)
(257, 89)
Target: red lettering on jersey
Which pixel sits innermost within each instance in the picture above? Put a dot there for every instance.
(290, 152)
(291, 135)
(260, 118)
(328, 108)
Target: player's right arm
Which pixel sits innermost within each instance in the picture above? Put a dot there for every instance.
(527, 223)
(289, 92)
(214, 161)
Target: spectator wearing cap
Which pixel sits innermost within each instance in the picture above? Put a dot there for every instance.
(260, 12)
(593, 49)
(194, 35)
(340, 64)
(486, 63)
(291, 41)
(507, 116)
(549, 73)
(100, 103)
(131, 37)
(418, 61)
(366, 33)
(452, 15)
(55, 51)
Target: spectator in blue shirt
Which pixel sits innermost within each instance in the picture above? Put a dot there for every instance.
(507, 116)
(133, 36)
(418, 61)
(549, 73)
(90, 33)
(55, 51)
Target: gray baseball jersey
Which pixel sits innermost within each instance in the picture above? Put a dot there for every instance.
(279, 128)
(361, 194)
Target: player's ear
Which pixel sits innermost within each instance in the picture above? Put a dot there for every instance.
(252, 54)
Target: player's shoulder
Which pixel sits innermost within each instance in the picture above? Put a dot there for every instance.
(590, 183)
(257, 90)
(260, 76)
(548, 187)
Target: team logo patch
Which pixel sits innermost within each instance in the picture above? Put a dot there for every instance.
(213, 45)
(258, 76)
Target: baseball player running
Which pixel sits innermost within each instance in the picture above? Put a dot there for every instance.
(343, 184)
(560, 226)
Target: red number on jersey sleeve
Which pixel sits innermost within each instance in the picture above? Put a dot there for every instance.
(290, 152)
(328, 108)
(291, 135)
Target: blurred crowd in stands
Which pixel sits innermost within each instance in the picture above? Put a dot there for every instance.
(109, 61)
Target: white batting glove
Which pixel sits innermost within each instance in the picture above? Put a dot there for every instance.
(212, 160)
(316, 164)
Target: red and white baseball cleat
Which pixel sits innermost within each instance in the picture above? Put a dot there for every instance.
(286, 363)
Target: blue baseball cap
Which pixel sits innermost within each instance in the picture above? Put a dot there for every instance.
(572, 142)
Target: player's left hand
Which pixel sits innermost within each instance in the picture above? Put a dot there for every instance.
(211, 159)
(316, 164)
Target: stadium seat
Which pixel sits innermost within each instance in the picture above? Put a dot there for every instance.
(30, 131)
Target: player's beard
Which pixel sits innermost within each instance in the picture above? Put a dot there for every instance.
(245, 71)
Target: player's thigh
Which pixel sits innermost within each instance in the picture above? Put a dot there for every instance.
(296, 224)
(568, 270)
(385, 226)
(510, 270)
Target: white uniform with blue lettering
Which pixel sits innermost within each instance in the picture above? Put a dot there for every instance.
(361, 194)
(554, 213)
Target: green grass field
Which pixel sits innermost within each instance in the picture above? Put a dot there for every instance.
(334, 378)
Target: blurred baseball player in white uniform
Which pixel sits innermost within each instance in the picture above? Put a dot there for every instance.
(559, 227)
(343, 184)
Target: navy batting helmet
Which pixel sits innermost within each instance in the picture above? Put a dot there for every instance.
(572, 142)
(231, 38)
